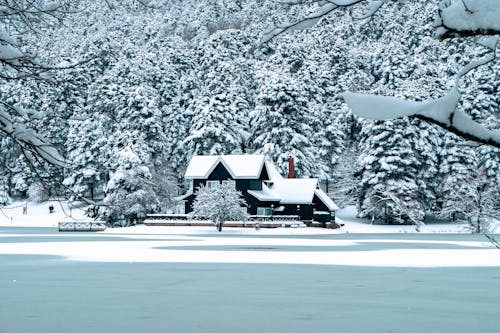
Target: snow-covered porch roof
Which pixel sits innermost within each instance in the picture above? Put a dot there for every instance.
(265, 194)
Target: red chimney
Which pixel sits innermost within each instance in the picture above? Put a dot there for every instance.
(291, 167)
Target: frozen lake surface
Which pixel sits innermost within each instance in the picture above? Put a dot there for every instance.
(54, 293)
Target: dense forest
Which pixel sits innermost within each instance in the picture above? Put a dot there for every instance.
(133, 89)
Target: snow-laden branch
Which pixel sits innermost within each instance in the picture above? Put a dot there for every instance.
(27, 138)
(442, 111)
(310, 20)
(468, 18)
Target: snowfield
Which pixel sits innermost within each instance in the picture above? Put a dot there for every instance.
(195, 279)
(312, 246)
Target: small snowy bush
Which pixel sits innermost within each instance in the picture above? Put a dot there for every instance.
(37, 192)
(219, 205)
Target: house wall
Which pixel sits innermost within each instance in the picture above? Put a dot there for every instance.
(305, 212)
(320, 206)
(242, 185)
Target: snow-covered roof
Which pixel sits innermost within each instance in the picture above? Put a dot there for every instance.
(326, 199)
(239, 166)
(265, 194)
(185, 196)
(272, 172)
(283, 190)
(295, 190)
(200, 166)
(244, 166)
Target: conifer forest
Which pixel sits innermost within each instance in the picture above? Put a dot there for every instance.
(107, 100)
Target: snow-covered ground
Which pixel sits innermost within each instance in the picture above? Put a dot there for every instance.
(38, 216)
(195, 279)
(388, 245)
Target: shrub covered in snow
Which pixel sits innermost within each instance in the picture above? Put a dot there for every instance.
(219, 204)
(37, 192)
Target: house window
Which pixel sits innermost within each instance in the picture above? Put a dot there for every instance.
(213, 184)
(264, 211)
(229, 183)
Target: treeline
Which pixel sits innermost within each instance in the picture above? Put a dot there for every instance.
(144, 87)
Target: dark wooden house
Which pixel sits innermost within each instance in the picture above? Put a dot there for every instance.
(264, 189)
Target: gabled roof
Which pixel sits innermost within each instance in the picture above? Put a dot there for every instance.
(272, 172)
(283, 190)
(326, 199)
(239, 166)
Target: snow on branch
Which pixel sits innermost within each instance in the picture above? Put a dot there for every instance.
(468, 18)
(27, 138)
(310, 20)
(442, 111)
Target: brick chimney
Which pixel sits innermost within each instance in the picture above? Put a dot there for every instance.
(291, 167)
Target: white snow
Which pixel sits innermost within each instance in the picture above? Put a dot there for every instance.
(9, 52)
(244, 166)
(265, 194)
(239, 166)
(442, 110)
(175, 244)
(200, 166)
(38, 214)
(326, 199)
(470, 15)
(272, 172)
(142, 246)
(296, 190)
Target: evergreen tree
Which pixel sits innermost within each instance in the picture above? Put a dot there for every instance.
(388, 187)
(220, 112)
(4, 191)
(281, 125)
(129, 191)
(458, 184)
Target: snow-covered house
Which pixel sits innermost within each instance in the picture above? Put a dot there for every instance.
(264, 189)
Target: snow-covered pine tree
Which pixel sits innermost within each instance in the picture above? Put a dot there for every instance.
(88, 149)
(177, 86)
(4, 191)
(389, 170)
(281, 124)
(215, 129)
(458, 167)
(330, 141)
(427, 145)
(220, 111)
(219, 204)
(129, 191)
(165, 186)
